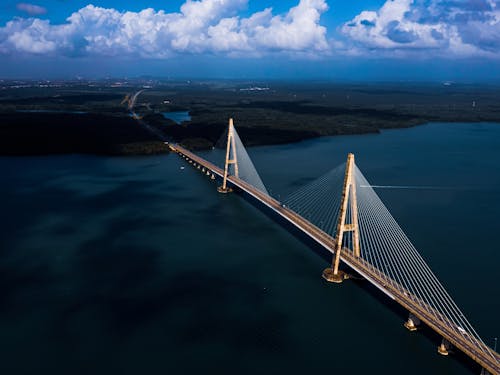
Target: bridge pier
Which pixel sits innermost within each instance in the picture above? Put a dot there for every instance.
(224, 190)
(332, 277)
(444, 348)
(402, 292)
(413, 323)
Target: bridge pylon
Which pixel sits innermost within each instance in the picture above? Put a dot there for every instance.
(231, 158)
(333, 273)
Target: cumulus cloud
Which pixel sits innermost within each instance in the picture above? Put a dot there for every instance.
(31, 9)
(205, 26)
(447, 27)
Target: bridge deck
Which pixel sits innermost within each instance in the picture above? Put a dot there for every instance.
(475, 349)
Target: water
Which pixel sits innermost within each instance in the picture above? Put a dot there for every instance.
(177, 117)
(134, 265)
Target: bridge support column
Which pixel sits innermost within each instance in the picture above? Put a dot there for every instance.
(413, 323)
(334, 274)
(332, 277)
(231, 158)
(444, 348)
(485, 372)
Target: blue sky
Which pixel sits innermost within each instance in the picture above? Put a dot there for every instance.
(59, 10)
(305, 39)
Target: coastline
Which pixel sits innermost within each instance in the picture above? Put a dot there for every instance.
(76, 119)
(98, 134)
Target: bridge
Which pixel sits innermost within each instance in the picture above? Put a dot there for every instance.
(341, 213)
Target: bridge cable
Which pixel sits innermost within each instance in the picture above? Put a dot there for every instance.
(247, 170)
(384, 246)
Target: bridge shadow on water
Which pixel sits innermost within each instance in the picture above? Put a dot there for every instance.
(360, 282)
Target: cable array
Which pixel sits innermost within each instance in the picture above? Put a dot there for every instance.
(387, 248)
(246, 168)
(383, 244)
(319, 201)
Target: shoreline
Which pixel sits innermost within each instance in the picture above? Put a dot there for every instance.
(76, 119)
(157, 146)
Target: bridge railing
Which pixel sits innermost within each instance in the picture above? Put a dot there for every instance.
(473, 347)
(440, 323)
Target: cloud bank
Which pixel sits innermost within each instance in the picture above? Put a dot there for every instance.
(438, 27)
(424, 28)
(206, 26)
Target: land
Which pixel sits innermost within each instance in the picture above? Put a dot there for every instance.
(62, 133)
(93, 117)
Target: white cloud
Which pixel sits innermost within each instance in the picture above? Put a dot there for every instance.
(205, 26)
(446, 28)
(424, 28)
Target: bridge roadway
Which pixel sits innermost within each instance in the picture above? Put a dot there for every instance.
(473, 348)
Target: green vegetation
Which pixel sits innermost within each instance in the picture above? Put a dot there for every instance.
(264, 113)
(57, 133)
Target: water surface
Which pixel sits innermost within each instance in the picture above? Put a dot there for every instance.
(178, 117)
(133, 265)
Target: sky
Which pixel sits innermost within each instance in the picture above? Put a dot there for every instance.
(361, 40)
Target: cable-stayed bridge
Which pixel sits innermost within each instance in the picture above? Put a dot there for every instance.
(341, 212)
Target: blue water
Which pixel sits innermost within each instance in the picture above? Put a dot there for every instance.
(133, 265)
(177, 117)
